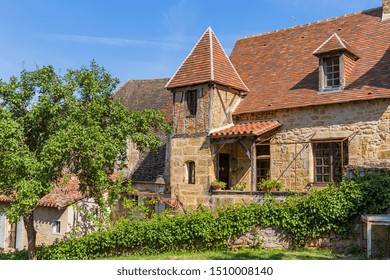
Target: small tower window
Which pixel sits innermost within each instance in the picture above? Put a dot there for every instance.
(190, 165)
(192, 102)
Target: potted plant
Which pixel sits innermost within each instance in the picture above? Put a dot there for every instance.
(240, 186)
(218, 185)
(269, 185)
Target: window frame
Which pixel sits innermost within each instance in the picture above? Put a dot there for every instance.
(263, 157)
(191, 99)
(190, 172)
(56, 228)
(335, 164)
(332, 68)
(323, 73)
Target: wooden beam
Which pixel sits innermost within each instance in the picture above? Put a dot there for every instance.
(247, 152)
(253, 165)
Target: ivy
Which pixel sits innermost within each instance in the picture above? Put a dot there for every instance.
(300, 217)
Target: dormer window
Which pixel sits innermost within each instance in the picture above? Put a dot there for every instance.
(331, 68)
(336, 60)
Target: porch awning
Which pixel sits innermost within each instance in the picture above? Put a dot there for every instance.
(247, 129)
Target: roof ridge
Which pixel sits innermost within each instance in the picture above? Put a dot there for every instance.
(327, 40)
(178, 69)
(306, 24)
(211, 53)
(231, 63)
(207, 62)
(340, 40)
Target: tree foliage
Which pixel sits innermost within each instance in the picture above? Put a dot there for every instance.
(52, 124)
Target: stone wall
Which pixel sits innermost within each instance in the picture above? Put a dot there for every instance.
(386, 7)
(183, 150)
(43, 222)
(214, 109)
(149, 165)
(222, 197)
(270, 238)
(239, 164)
(188, 124)
(223, 102)
(190, 140)
(292, 160)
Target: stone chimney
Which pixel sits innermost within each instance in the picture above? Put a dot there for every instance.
(386, 9)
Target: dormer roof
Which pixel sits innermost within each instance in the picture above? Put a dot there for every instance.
(281, 71)
(333, 44)
(207, 62)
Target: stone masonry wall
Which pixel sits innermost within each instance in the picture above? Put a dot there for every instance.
(270, 237)
(370, 147)
(386, 6)
(185, 124)
(191, 143)
(196, 149)
(224, 101)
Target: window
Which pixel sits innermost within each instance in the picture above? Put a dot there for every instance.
(263, 162)
(190, 172)
(56, 226)
(329, 160)
(192, 102)
(12, 236)
(332, 72)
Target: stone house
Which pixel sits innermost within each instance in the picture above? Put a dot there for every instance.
(298, 105)
(58, 214)
(148, 171)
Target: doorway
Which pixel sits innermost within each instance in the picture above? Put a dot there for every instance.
(224, 169)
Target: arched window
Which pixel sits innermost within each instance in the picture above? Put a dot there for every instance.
(190, 166)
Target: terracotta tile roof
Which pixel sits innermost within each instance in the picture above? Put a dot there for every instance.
(281, 71)
(249, 128)
(207, 62)
(60, 197)
(138, 95)
(332, 44)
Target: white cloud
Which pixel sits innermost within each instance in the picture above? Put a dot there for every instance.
(121, 42)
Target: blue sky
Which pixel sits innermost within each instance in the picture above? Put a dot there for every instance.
(141, 39)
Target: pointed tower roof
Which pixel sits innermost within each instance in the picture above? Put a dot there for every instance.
(334, 43)
(207, 62)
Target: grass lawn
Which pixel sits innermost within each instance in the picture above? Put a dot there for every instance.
(250, 254)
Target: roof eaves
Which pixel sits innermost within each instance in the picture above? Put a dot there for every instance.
(308, 105)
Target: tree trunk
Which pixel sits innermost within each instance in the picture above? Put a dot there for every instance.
(28, 220)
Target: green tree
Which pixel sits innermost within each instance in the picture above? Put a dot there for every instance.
(53, 124)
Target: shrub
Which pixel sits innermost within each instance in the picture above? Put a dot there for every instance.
(269, 185)
(300, 216)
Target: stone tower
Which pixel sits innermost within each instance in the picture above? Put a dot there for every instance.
(206, 89)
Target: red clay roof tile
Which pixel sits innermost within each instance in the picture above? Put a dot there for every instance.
(332, 44)
(250, 128)
(281, 71)
(207, 62)
(61, 196)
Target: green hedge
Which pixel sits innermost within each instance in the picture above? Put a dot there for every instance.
(301, 217)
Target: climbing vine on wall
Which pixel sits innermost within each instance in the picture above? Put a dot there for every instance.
(301, 217)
